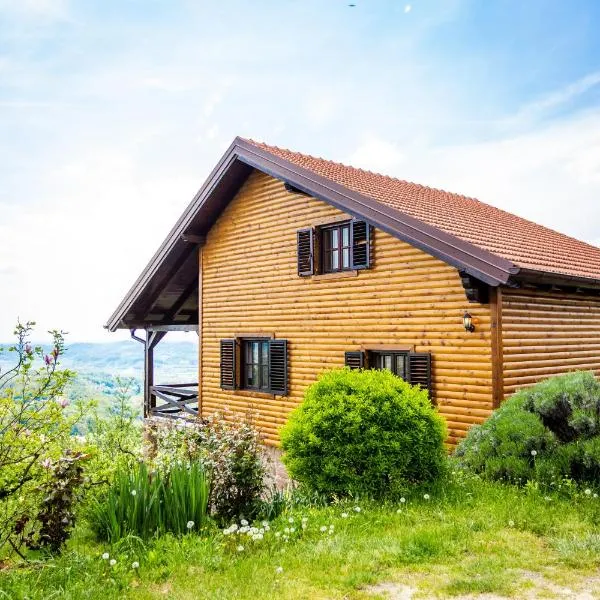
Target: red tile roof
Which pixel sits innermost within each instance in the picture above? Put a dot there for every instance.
(525, 243)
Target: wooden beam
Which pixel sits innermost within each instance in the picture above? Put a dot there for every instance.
(193, 238)
(200, 299)
(497, 348)
(152, 339)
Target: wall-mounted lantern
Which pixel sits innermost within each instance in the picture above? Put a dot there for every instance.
(468, 322)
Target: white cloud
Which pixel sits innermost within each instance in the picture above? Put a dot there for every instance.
(55, 9)
(376, 154)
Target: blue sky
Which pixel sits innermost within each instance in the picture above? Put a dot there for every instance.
(113, 113)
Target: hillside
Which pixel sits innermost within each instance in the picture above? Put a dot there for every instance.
(98, 365)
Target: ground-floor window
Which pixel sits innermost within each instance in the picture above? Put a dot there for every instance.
(396, 362)
(255, 365)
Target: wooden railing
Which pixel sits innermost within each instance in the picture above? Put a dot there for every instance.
(177, 400)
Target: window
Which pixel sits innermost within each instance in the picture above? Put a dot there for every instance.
(343, 246)
(335, 241)
(392, 361)
(413, 367)
(259, 364)
(255, 367)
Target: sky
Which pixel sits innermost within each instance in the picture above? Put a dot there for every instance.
(112, 114)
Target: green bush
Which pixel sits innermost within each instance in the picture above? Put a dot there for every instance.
(548, 431)
(363, 432)
(148, 504)
(228, 448)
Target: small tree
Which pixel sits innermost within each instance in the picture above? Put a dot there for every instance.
(34, 427)
(366, 432)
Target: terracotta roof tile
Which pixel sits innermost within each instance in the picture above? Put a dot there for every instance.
(525, 243)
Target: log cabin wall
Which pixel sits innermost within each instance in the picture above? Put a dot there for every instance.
(548, 333)
(250, 286)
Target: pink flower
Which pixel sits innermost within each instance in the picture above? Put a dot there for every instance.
(46, 463)
(55, 352)
(63, 402)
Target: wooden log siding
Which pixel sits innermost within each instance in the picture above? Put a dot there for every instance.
(250, 283)
(548, 333)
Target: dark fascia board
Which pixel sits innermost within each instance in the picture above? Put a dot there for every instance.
(479, 263)
(549, 278)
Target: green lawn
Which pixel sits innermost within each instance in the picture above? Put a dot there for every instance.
(469, 538)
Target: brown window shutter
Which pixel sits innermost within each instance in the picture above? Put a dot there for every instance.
(354, 360)
(278, 370)
(306, 247)
(361, 245)
(419, 369)
(228, 364)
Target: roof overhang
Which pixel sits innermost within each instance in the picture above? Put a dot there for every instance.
(166, 292)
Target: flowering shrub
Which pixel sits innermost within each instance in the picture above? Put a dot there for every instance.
(229, 450)
(547, 432)
(34, 429)
(147, 504)
(363, 432)
(52, 525)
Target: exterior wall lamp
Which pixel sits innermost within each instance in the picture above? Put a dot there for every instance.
(468, 322)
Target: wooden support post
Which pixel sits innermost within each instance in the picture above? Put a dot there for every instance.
(497, 347)
(152, 339)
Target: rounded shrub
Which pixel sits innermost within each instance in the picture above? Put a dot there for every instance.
(548, 431)
(366, 432)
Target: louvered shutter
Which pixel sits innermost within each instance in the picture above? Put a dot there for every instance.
(419, 369)
(278, 367)
(305, 243)
(354, 360)
(228, 364)
(361, 245)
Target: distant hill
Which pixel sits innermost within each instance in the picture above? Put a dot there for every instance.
(99, 365)
(173, 361)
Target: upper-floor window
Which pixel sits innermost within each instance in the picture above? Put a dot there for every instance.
(335, 243)
(342, 246)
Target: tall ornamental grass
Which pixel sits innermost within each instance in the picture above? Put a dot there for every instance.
(150, 504)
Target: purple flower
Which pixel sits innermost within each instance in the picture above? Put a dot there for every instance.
(46, 463)
(47, 360)
(28, 349)
(55, 352)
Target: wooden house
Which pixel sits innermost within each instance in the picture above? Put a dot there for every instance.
(287, 265)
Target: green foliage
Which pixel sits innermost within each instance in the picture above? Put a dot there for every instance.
(228, 448)
(115, 437)
(547, 432)
(360, 432)
(35, 428)
(52, 525)
(149, 504)
(468, 536)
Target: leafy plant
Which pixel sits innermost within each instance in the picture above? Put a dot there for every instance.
(51, 526)
(147, 504)
(34, 427)
(228, 448)
(546, 433)
(363, 432)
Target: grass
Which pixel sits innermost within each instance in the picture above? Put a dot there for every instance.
(469, 538)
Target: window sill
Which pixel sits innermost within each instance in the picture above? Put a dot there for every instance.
(254, 394)
(337, 275)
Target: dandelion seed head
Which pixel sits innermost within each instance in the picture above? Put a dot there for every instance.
(105, 556)
(190, 524)
(135, 564)
(112, 562)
